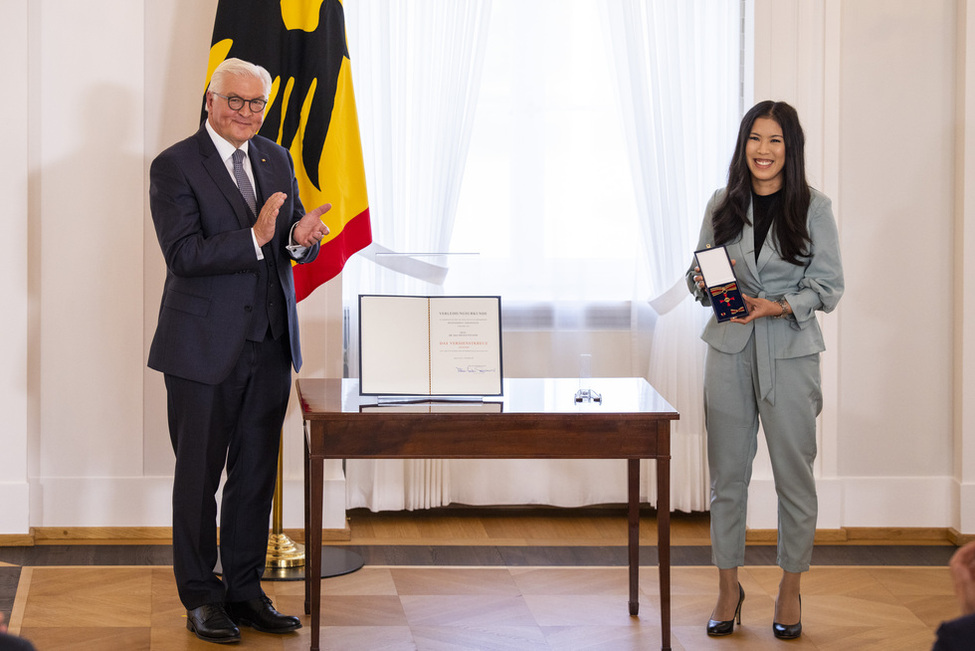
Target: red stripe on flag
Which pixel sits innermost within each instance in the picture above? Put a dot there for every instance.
(356, 235)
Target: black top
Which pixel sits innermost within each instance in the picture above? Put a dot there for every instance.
(765, 209)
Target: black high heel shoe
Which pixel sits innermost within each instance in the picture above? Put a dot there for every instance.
(717, 627)
(789, 631)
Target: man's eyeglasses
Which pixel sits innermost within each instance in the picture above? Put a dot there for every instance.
(236, 103)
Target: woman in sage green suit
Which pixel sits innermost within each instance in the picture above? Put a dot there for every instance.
(764, 367)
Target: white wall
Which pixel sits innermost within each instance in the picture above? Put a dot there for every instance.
(97, 89)
(875, 82)
(86, 248)
(963, 394)
(897, 378)
(897, 210)
(14, 401)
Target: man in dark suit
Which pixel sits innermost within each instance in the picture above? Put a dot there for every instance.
(229, 221)
(959, 634)
(12, 642)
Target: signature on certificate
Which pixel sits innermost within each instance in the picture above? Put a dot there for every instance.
(470, 368)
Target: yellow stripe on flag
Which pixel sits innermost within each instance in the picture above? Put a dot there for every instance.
(302, 43)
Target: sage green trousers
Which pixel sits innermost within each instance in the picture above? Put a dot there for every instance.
(733, 409)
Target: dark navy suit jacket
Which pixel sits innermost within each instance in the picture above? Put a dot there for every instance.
(204, 231)
(956, 635)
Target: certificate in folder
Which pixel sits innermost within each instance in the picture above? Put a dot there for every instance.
(720, 283)
(430, 345)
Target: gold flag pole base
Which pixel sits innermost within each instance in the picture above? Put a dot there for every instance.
(284, 552)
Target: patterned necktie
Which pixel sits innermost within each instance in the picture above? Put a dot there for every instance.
(244, 183)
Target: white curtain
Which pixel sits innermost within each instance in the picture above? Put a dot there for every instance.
(416, 67)
(547, 202)
(678, 68)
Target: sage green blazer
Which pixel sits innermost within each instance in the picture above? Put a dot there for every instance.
(815, 285)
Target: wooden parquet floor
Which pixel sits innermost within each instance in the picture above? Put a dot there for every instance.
(895, 601)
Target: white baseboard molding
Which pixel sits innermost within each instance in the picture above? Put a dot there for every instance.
(14, 508)
(147, 502)
(884, 502)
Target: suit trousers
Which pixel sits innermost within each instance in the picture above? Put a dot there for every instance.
(733, 408)
(237, 424)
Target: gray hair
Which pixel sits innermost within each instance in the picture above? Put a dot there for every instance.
(239, 68)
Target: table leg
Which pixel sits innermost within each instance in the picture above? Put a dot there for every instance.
(307, 512)
(633, 489)
(663, 547)
(315, 474)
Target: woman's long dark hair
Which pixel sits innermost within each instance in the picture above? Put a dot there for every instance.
(731, 215)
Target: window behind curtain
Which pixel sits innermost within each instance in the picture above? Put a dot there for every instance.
(547, 199)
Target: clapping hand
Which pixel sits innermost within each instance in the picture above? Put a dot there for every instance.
(310, 230)
(265, 224)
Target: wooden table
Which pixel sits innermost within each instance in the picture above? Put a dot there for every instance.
(536, 419)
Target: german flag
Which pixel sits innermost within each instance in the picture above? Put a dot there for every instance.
(311, 112)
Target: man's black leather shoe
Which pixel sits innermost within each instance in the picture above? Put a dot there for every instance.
(260, 614)
(210, 622)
